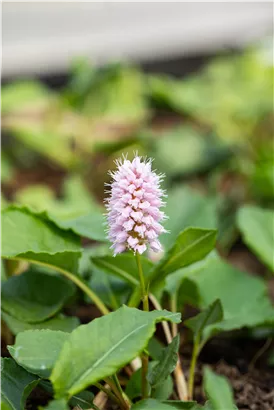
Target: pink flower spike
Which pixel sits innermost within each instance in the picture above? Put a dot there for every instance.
(133, 214)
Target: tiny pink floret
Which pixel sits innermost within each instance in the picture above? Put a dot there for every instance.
(133, 207)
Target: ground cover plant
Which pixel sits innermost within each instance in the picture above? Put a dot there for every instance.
(166, 301)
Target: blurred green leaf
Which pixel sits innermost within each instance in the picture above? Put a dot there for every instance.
(16, 385)
(212, 314)
(34, 297)
(124, 266)
(57, 405)
(58, 322)
(152, 404)
(197, 211)
(184, 405)
(232, 94)
(218, 391)
(83, 400)
(32, 237)
(7, 168)
(114, 292)
(184, 150)
(270, 361)
(257, 226)
(77, 211)
(21, 95)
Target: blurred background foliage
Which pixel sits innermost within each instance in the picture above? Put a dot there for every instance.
(211, 133)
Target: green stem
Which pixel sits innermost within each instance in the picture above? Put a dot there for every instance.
(142, 283)
(195, 353)
(144, 359)
(112, 384)
(173, 305)
(108, 392)
(146, 309)
(78, 281)
(122, 393)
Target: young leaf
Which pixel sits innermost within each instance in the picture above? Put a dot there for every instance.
(212, 314)
(33, 237)
(37, 350)
(218, 391)
(161, 392)
(158, 374)
(192, 245)
(124, 266)
(256, 225)
(16, 384)
(122, 334)
(59, 322)
(57, 405)
(34, 297)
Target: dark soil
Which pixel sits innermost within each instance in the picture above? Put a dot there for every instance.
(252, 383)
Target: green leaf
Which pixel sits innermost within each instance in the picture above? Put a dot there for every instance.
(166, 364)
(76, 211)
(16, 384)
(256, 225)
(124, 266)
(22, 94)
(123, 335)
(59, 322)
(173, 281)
(91, 225)
(218, 391)
(57, 405)
(37, 350)
(198, 211)
(155, 348)
(212, 314)
(192, 245)
(34, 297)
(114, 292)
(199, 151)
(160, 392)
(218, 279)
(184, 405)
(33, 237)
(163, 391)
(83, 400)
(261, 313)
(152, 404)
(4, 275)
(7, 168)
